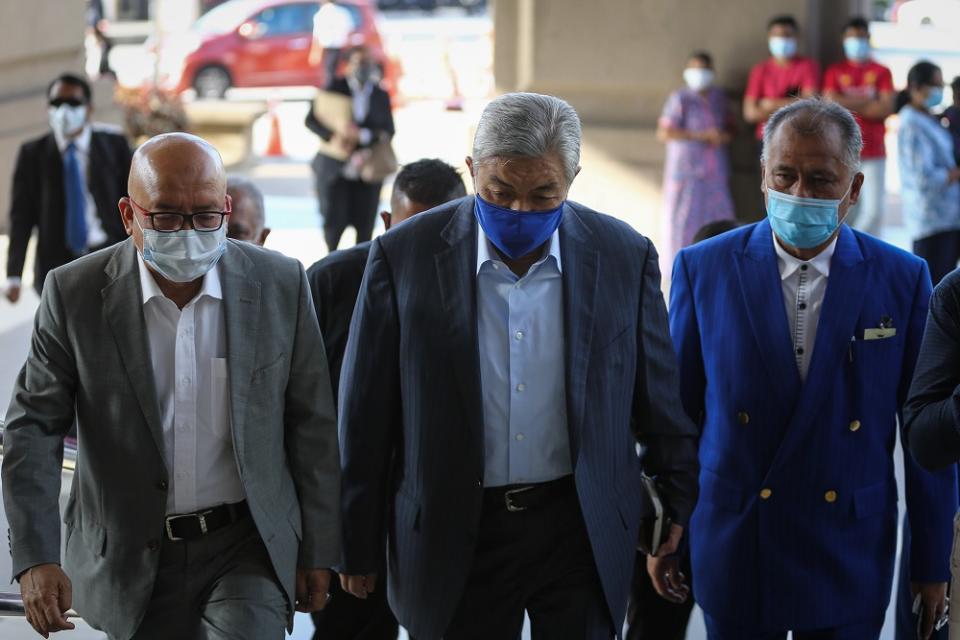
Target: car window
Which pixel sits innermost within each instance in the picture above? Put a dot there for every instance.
(286, 19)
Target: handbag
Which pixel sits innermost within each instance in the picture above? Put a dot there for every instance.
(379, 162)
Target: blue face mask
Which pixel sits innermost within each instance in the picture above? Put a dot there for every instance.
(516, 233)
(856, 49)
(783, 48)
(935, 98)
(803, 223)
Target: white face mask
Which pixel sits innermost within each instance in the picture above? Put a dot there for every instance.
(698, 78)
(66, 120)
(185, 255)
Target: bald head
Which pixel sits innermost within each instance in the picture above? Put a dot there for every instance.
(173, 172)
(174, 162)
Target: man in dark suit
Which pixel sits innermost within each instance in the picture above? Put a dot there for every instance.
(335, 283)
(344, 198)
(66, 184)
(506, 354)
(797, 338)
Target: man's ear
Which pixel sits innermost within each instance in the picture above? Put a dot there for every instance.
(126, 214)
(855, 188)
(763, 178)
(385, 216)
(263, 236)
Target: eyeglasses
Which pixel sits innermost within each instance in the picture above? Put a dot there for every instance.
(73, 102)
(171, 221)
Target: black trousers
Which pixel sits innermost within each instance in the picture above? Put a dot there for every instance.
(651, 617)
(941, 251)
(349, 618)
(344, 203)
(331, 60)
(539, 561)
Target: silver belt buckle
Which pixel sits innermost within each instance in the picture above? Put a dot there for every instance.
(508, 499)
(201, 518)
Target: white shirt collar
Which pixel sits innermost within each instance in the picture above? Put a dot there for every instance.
(150, 289)
(789, 264)
(82, 141)
(486, 252)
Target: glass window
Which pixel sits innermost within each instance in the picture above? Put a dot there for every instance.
(285, 19)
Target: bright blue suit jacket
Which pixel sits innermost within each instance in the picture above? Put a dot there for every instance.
(819, 550)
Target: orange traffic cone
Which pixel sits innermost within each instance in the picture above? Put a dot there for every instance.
(274, 145)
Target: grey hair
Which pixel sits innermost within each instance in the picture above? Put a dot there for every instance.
(817, 115)
(529, 125)
(244, 187)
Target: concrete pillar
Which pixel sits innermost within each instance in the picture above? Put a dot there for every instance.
(46, 41)
(616, 61)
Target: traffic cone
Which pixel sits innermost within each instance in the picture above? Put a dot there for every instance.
(455, 102)
(274, 145)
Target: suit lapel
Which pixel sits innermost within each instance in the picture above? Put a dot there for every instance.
(456, 267)
(581, 278)
(762, 293)
(241, 306)
(838, 317)
(123, 308)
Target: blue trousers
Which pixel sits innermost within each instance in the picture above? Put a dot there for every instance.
(727, 630)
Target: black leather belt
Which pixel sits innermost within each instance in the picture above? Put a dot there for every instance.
(520, 497)
(190, 526)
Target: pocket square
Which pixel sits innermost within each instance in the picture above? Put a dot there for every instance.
(879, 334)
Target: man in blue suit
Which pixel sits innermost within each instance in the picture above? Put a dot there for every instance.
(507, 353)
(797, 338)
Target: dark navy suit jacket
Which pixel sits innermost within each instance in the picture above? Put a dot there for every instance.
(817, 551)
(410, 391)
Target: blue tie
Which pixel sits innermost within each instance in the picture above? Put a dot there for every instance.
(76, 202)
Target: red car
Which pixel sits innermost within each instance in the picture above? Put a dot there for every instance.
(255, 43)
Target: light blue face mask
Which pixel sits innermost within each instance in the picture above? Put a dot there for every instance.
(803, 223)
(183, 256)
(935, 98)
(782, 48)
(856, 49)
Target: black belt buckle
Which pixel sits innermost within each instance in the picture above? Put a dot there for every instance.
(201, 520)
(508, 499)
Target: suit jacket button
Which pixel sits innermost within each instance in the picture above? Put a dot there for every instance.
(855, 425)
(153, 545)
(830, 496)
(766, 493)
(162, 485)
(743, 417)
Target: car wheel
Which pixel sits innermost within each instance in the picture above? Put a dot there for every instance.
(211, 82)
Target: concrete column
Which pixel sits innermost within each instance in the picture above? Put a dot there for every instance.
(47, 40)
(616, 61)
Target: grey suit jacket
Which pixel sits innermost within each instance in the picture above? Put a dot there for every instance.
(90, 358)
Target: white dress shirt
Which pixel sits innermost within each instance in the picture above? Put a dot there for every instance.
(96, 236)
(332, 26)
(522, 368)
(804, 285)
(188, 350)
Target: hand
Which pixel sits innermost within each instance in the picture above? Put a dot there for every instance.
(933, 601)
(667, 578)
(315, 56)
(13, 293)
(312, 589)
(712, 136)
(47, 596)
(670, 547)
(359, 586)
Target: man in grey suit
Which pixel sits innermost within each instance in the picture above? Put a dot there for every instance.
(205, 497)
(507, 352)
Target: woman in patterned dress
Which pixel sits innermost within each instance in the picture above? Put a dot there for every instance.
(696, 126)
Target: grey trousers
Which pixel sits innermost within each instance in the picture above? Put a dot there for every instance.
(219, 587)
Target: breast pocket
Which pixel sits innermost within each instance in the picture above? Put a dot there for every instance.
(219, 398)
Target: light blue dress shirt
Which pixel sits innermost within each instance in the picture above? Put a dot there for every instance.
(931, 204)
(522, 368)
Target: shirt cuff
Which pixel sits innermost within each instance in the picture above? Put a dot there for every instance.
(13, 281)
(366, 135)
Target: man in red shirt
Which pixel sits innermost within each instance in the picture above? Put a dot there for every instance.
(780, 79)
(865, 87)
